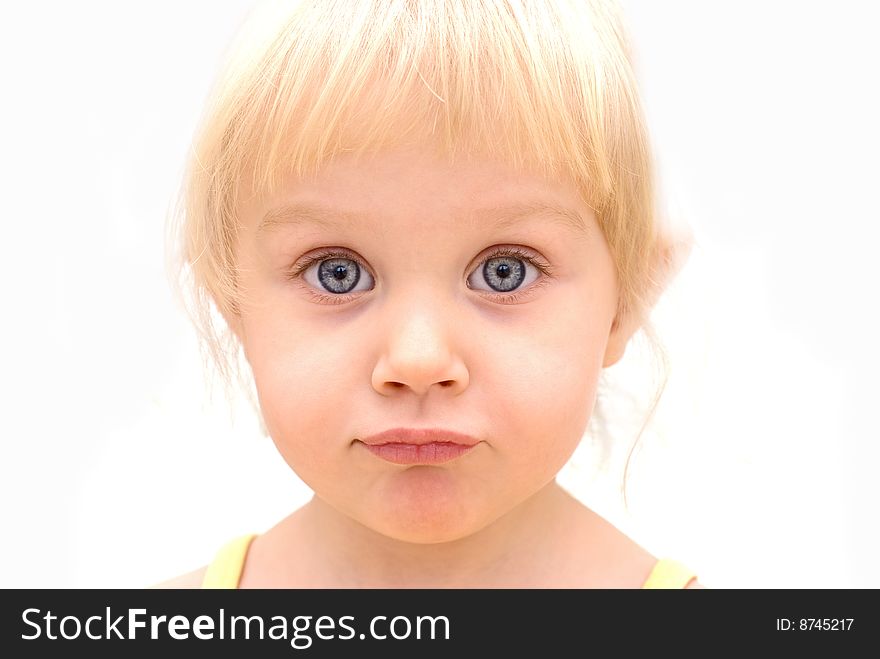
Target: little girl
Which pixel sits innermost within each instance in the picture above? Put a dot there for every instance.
(428, 225)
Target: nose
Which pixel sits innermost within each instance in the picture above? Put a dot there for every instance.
(419, 352)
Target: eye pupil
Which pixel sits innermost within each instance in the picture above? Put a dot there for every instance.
(503, 271)
(340, 272)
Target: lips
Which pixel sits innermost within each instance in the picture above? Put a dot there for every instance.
(414, 446)
(419, 437)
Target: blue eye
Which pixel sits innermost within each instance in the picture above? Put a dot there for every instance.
(509, 269)
(504, 273)
(339, 275)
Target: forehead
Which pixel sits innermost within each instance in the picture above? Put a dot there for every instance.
(417, 184)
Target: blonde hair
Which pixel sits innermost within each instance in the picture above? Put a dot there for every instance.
(540, 84)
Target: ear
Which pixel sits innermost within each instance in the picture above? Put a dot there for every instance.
(672, 253)
(233, 320)
(622, 329)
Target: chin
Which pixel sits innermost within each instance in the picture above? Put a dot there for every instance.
(426, 516)
(425, 530)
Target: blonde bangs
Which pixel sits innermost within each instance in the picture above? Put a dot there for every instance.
(519, 81)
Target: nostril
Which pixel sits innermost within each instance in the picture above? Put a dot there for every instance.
(444, 383)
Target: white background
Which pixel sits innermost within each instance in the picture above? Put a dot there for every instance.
(118, 469)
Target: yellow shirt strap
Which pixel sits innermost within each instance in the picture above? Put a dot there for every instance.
(225, 570)
(668, 573)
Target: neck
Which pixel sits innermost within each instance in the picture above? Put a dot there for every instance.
(514, 550)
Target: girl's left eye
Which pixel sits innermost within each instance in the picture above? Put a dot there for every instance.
(506, 270)
(509, 269)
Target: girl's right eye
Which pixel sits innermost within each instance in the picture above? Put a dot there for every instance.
(337, 272)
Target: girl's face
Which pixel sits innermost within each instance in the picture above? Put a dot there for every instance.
(408, 314)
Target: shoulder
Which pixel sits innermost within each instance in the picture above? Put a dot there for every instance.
(633, 565)
(189, 580)
(671, 575)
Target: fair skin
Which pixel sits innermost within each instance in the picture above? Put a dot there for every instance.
(423, 339)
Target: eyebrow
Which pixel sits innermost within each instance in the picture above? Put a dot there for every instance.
(503, 216)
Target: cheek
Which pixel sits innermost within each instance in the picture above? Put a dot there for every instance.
(546, 392)
(300, 382)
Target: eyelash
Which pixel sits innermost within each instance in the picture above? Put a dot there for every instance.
(515, 252)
